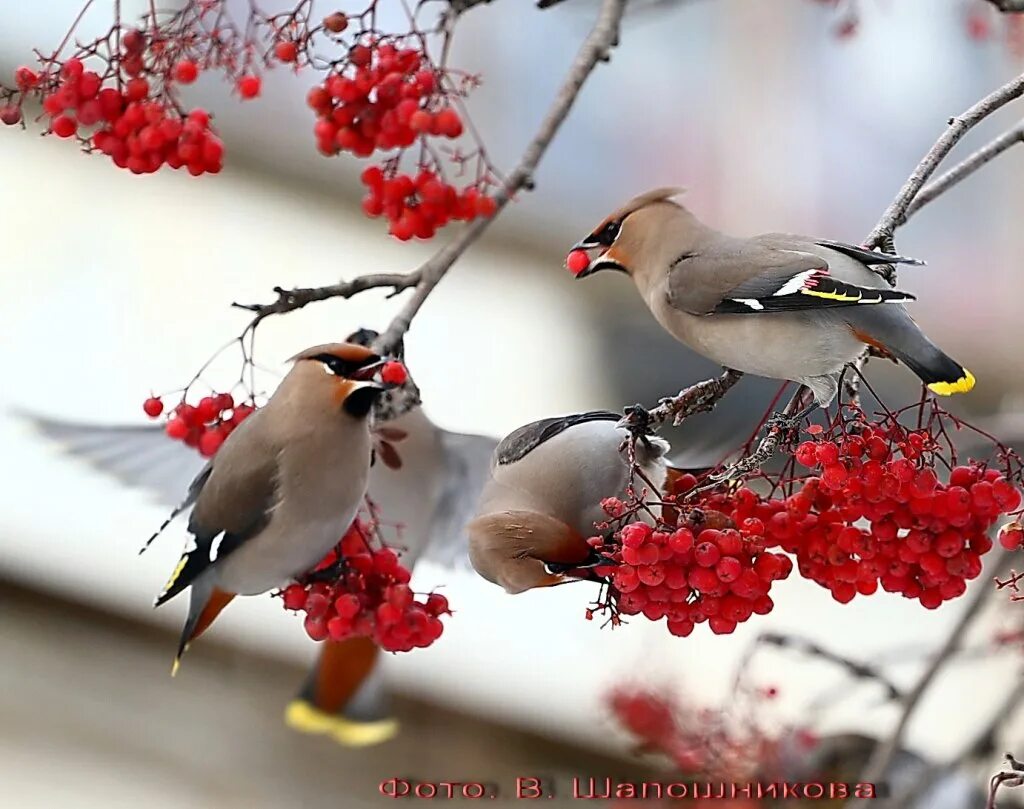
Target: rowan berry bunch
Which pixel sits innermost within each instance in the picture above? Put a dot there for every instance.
(708, 564)
(361, 589)
(381, 92)
(386, 96)
(204, 425)
(736, 744)
(858, 505)
(119, 109)
(876, 514)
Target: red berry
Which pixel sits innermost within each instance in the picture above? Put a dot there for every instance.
(1011, 536)
(210, 441)
(294, 596)
(577, 261)
(64, 127)
(249, 86)
(448, 123)
(336, 22)
(186, 71)
(286, 51)
(153, 407)
(394, 373)
(176, 428)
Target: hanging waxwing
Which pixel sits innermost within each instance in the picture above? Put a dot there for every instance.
(775, 305)
(543, 497)
(431, 493)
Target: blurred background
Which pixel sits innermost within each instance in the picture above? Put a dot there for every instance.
(116, 285)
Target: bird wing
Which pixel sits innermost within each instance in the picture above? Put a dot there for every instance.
(140, 457)
(867, 257)
(770, 273)
(521, 442)
(467, 465)
(234, 498)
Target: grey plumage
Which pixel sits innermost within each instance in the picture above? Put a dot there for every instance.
(543, 496)
(774, 305)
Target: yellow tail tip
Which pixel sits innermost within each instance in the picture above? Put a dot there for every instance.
(175, 666)
(962, 385)
(305, 718)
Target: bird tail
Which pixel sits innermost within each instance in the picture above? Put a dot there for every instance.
(898, 335)
(205, 604)
(343, 696)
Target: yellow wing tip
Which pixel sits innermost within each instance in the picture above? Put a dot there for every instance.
(305, 718)
(962, 385)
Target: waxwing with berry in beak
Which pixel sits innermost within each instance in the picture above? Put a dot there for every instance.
(544, 493)
(431, 491)
(775, 305)
(285, 485)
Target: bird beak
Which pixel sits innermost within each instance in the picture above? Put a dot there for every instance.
(369, 371)
(602, 261)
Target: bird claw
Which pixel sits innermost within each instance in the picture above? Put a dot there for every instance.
(637, 419)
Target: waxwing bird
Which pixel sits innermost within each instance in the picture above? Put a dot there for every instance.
(431, 495)
(775, 305)
(285, 485)
(543, 497)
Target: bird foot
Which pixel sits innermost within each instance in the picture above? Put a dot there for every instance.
(637, 419)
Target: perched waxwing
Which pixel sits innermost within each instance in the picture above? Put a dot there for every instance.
(431, 494)
(283, 488)
(543, 497)
(775, 305)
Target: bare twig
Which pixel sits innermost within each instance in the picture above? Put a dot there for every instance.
(882, 756)
(981, 157)
(897, 212)
(288, 300)
(982, 746)
(1009, 6)
(1009, 778)
(596, 48)
(699, 398)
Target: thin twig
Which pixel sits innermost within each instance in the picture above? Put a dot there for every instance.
(897, 212)
(981, 746)
(981, 157)
(596, 48)
(883, 754)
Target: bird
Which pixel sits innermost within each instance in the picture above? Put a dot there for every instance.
(775, 305)
(431, 496)
(283, 488)
(543, 497)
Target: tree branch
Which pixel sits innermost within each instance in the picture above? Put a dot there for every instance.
(984, 155)
(898, 211)
(596, 48)
(1009, 6)
(884, 753)
(288, 300)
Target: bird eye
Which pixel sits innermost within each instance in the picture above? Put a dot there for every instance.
(609, 233)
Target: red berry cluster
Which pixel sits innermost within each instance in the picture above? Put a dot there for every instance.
(712, 567)
(715, 743)
(384, 98)
(129, 121)
(379, 99)
(370, 598)
(921, 537)
(205, 425)
(418, 206)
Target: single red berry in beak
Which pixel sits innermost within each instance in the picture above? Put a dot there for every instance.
(577, 261)
(393, 373)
